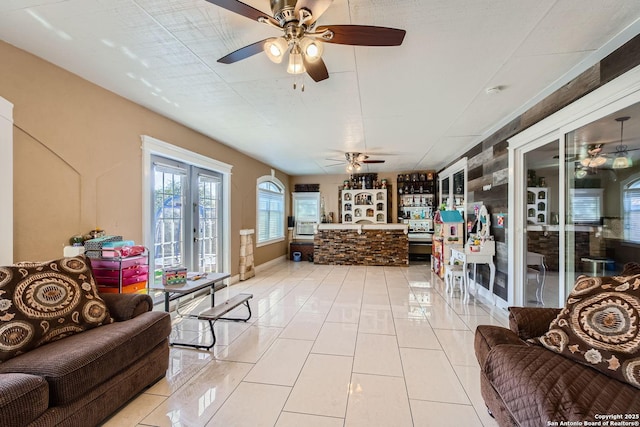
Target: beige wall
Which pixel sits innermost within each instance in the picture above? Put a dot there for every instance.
(77, 160)
(329, 185)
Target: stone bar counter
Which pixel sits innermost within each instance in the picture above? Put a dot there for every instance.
(361, 244)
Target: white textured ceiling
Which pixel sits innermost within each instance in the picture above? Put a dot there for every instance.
(419, 105)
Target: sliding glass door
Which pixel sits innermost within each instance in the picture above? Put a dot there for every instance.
(575, 202)
(603, 195)
(538, 239)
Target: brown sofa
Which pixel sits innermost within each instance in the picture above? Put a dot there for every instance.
(83, 378)
(528, 385)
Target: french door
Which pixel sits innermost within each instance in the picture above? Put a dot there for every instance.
(186, 216)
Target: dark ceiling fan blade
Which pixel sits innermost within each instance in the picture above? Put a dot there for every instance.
(317, 70)
(363, 35)
(243, 52)
(373, 161)
(316, 7)
(243, 9)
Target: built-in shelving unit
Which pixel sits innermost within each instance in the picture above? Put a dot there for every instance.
(537, 205)
(366, 206)
(416, 195)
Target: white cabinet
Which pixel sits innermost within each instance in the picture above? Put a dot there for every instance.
(453, 186)
(366, 206)
(537, 205)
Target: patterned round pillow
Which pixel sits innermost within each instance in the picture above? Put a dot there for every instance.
(599, 326)
(44, 302)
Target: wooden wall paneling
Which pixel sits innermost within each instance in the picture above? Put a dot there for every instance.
(620, 61)
(575, 89)
(474, 173)
(473, 152)
(476, 185)
(501, 148)
(498, 162)
(504, 133)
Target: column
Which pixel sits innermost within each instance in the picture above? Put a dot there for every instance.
(246, 254)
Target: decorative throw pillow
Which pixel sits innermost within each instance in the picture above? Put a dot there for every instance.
(600, 326)
(631, 268)
(44, 302)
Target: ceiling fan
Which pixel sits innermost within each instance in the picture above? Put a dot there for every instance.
(301, 39)
(594, 156)
(356, 160)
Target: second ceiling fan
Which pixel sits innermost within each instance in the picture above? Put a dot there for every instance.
(301, 39)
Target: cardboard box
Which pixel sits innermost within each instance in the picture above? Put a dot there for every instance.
(97, 243)
(174, 276)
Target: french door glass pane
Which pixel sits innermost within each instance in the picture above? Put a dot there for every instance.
(209, 222)
(542, 239)
(603, 196)
(169, 217)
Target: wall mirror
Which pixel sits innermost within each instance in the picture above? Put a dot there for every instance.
(484, 222)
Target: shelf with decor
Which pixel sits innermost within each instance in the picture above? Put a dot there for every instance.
(416, 195)
(537, 205)
(364, 206)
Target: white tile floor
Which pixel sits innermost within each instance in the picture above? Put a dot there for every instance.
(327, 346)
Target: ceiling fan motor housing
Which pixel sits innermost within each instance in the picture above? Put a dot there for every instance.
(284, 11)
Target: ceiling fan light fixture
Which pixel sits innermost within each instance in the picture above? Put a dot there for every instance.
(622, 161)
(275, 49)
(312, 48)
(593, 162)
(296, 66)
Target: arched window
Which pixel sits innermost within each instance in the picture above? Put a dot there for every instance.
(270, 227)
(631, 207)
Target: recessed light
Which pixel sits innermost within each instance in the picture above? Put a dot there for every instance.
(493, 90)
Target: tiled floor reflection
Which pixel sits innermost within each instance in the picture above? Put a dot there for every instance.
(327, 346)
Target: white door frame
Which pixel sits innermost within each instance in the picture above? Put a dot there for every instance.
(517, 213)
(151, 146)
(6, 180)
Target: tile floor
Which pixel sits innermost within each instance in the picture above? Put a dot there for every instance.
(327, 346)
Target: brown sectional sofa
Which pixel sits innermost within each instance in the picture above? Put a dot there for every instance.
(83, 378)
(529, 385)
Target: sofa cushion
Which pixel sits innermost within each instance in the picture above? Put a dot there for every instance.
(23, 398)
(540, 387)
(600, 326)
(44, 302)
(76, 364)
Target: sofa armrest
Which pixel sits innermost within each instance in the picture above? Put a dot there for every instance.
(488, 336)
(127, 306)
(531, 322)
(23, 398)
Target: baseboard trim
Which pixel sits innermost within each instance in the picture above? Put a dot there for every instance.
(265, 265)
